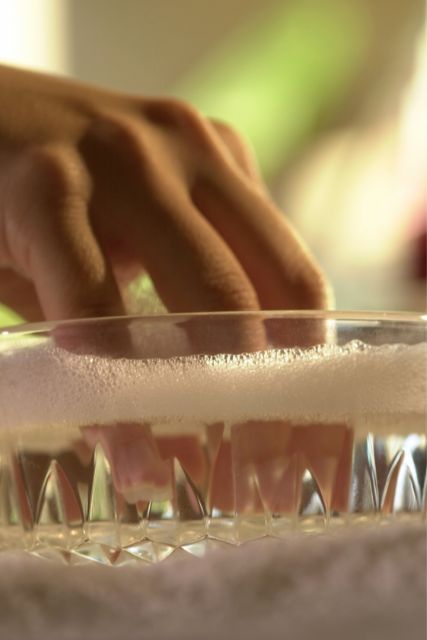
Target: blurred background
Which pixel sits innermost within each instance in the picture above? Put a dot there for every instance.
(332, 94)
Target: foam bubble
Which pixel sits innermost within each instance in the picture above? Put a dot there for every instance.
(46, 387)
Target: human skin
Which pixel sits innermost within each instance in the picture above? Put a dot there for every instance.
(96, 186)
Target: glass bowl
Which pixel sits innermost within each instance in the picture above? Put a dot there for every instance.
(125, 439)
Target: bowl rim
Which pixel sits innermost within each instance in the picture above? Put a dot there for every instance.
(407, 317)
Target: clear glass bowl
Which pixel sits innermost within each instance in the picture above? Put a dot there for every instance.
(125, 439)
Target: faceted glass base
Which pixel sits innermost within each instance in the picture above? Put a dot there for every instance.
(58, 508)
(139, 439)
(149, 552)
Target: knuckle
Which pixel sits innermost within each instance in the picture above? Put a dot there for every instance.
(182, 117)
(121, 141)
(171, 112)
(52, 172)
(110, 133)
(228, 133)
(236, 143)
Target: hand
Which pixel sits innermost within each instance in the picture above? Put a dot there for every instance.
(260, 467)
(96, 186)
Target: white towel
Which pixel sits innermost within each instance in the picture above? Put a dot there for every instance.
(368, 583)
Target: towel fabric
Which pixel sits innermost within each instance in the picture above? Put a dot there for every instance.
(365, 583)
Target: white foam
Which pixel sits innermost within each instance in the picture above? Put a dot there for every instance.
(45, 386)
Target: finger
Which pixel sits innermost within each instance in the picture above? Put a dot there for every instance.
(193, 270)
(221, 495)
(255, 470)
(240, 151)
(190, 265)
(139, 472)
(280, 333)
(19, 294)
(282, 271)
(259, 461)
(74, 280)
(50, 239)
(328, 451)
(71, 276)
(342, 489)
(188, 450)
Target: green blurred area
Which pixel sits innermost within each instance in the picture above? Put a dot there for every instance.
(279, 76)
(9, 317)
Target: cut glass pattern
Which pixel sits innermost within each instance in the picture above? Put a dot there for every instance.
(73, 511)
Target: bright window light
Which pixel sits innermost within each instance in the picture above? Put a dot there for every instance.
(33, 34)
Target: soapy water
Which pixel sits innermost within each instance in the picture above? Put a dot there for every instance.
(101, 455)
(47, 387)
